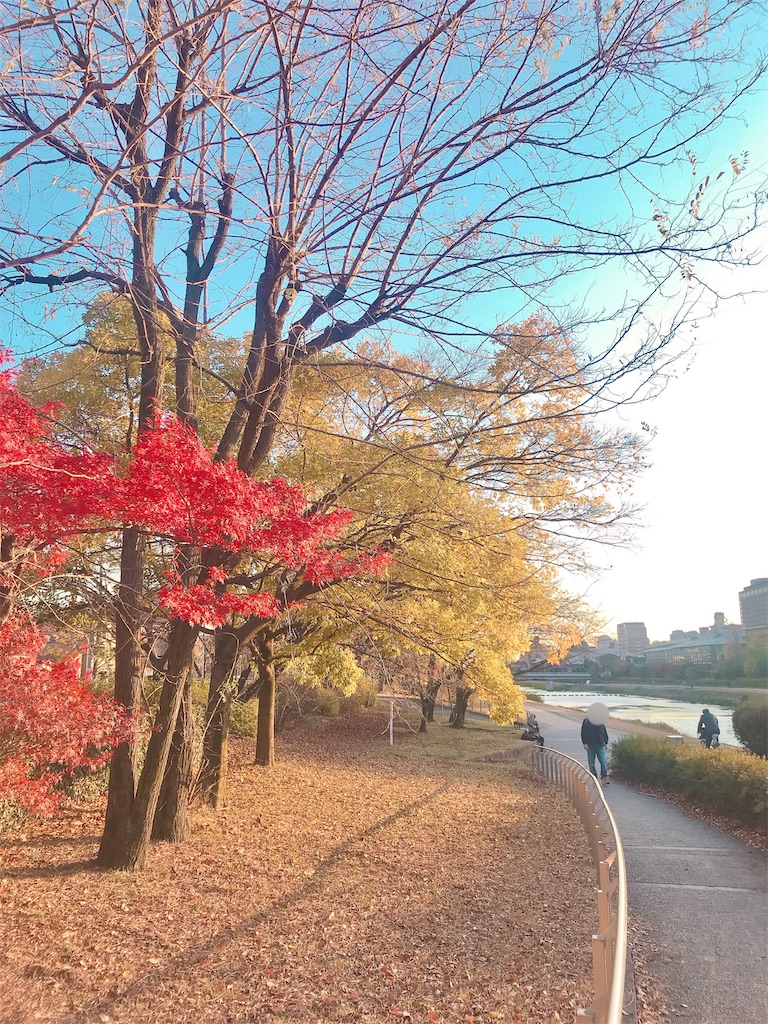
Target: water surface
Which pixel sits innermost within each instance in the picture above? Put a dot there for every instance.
(682, 716)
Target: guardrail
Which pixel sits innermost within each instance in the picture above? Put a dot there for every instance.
(609, 945)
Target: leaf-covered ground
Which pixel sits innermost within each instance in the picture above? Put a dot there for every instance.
(352, 882)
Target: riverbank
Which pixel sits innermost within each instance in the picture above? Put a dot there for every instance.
(618, 727)
(656, 730)
(697, 693)
(675, 716)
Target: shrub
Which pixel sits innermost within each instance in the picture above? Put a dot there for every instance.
(86, 787)
(326, 701)
(364, 695)
(244, 718)
(290, 702)
(730, 782)
(750, 723)
(11, 816)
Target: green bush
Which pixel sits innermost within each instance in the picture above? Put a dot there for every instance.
(750, 723)
(728, 781)
(326, 701)
(11, 816)
(364, 695)
(86, 786)
(244, 718)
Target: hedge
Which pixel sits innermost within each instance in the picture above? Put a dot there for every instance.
(750, 723)
(727, 781)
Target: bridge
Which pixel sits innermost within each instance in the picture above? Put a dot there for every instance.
(563, 678)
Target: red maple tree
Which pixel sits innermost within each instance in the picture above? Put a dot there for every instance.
(173, 488)
(51, 722)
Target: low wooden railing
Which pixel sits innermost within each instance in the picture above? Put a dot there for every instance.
(609, 945)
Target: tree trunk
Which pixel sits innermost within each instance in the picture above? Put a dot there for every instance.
(172, 815)
(128, 675)
(127, 844)
(119, 825)
(171, 821)
(265, 737)
(463, 693)
(216, 754)
(213, 771)
(433, 689)
(424, 699)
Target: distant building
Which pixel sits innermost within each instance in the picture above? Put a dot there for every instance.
(753, 603)
(719, 626)
(606, 646)
(535, 655)
(632, 638)
(683, 634)
(708, 647)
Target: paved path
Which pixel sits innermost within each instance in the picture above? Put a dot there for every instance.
(701, 891)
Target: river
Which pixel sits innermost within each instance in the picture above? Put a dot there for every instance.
(681, 716)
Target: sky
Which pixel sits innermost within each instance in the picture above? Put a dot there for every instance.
(704, 532)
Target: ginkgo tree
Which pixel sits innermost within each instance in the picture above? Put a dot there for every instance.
(467, 486)
(454, 592)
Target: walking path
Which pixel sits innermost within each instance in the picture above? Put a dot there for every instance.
(701, 891)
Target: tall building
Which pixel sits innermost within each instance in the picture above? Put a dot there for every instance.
(753, 603)
(632, 637)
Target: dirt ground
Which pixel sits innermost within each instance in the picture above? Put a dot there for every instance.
(353, 881)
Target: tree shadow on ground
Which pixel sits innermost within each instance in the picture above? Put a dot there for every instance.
(74, 867)
(49, 841)
(186, 960)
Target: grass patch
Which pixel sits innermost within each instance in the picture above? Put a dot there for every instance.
(441, 742)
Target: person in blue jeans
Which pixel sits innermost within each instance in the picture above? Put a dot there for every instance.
(595, 740)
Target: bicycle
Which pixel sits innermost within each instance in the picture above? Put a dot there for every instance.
(715, 740)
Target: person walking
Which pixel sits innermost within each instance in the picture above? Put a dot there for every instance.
(595, 740)
(708, 727)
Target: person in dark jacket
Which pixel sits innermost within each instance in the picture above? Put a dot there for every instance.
(708, 727)
(532, 730)
(595, 740)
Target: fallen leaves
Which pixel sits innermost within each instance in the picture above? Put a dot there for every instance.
(650, 1001)
(347, 883)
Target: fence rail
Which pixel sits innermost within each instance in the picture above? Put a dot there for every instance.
(609, 945)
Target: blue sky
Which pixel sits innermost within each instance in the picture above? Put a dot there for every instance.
(703, 489)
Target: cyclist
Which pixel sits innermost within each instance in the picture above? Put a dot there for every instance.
(708, 727)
